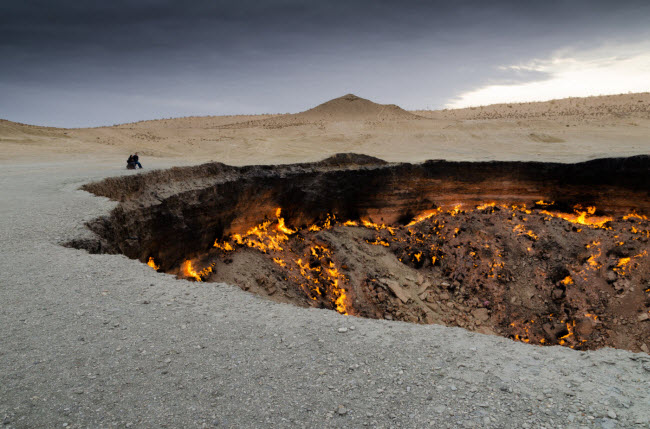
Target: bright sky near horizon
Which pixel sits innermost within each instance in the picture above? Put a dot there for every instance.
(77, 64)
(605, 71)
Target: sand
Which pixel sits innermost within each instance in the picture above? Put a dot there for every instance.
(567, 130)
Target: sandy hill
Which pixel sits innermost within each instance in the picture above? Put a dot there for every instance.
(353, 108)
(348, 108)
(619, 105)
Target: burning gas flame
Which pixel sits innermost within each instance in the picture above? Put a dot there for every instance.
(424, 216)
(582, 217)
(281, 226)
(152, 263)
(188, 271)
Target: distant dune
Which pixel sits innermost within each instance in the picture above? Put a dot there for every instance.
(566, 130)
(353, 108)
(633, 105)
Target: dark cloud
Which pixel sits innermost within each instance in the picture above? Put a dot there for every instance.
(219, 57)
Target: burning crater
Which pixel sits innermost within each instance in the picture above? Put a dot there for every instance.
(549, 254)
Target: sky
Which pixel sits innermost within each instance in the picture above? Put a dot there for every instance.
(90, 63)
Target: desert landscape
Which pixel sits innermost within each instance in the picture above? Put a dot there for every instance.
(355, 264)
(567, 130)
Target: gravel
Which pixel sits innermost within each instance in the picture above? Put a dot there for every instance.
(104, 341)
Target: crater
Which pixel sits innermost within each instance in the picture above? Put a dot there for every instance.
(544, 253)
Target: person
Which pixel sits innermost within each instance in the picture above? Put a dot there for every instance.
(136, 160)
(130, 165)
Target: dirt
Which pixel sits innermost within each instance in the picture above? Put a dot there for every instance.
(551, 254)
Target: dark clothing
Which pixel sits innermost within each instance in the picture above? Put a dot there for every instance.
(132, 162)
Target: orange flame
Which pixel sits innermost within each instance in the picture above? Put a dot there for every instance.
(152, 264)
(582, 217)
(189, 271)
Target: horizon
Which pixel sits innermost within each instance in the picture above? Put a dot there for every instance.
(78, 66)
(326, 101)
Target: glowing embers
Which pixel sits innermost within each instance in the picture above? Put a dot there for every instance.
(319, 277)
(623, 265)
(549, 331)
(582, 216)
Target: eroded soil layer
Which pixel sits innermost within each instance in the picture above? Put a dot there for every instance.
(542, 253)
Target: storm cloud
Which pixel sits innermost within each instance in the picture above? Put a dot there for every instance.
(71, 63)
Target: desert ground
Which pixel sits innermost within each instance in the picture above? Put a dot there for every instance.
(97, 340)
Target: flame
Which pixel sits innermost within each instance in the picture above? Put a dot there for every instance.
(456, 210)
(189, 271)
(622, 263)
(369, 224)
(569, 328)
(424, 216)
(635, 216)
(349, 223)
(152, 264)
(521, 230)
(567, 281)
(592, 316)
(281, 226)
(378, 241)
(582, 217)
(486, 205)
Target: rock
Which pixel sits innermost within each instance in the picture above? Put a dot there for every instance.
(643, 317)
(611, 276)
(453, 388)
(585, 327)
(621, 284)
(481, 314)
(343, 330)
(341, 410)
(644, 348)
(611, 414)
(444, 296)
(398, 290)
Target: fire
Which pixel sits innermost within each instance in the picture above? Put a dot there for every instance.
(582, 217)
(623, 263)
(569, 328)
(567, 281)
(369, 224)
(188, 271)
(281, 226)
(456, 210)
(521, 230)
(378, 241)
(486, 206)
(424, 216)
(635, 216)
(152, 264)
